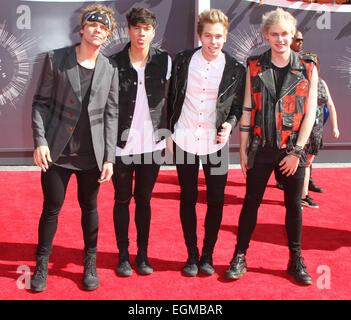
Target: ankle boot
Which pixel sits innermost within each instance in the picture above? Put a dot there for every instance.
(124, 269)
(142, 263)
(38, 281)
(90, 280)
(297, 269)
(237, 266)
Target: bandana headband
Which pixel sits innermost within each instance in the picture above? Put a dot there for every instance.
(99, 17)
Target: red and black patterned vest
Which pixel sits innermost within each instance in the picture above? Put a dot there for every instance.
(291, 105)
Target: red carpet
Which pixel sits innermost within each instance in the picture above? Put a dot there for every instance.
(326, 244)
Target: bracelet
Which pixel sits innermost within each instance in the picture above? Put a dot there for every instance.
(245, 128)
(296, 151)
(247, 109)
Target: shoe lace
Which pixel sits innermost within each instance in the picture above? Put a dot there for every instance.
(40, 269)
(299, 264)
(237, 259)
(90, 266)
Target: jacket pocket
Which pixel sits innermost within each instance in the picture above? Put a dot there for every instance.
(288, 121)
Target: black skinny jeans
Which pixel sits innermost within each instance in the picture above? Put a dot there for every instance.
(215, 168)
(266, 160)
(54, 185)
(146, 171)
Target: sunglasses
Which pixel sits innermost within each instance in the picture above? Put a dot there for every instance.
(299, 39)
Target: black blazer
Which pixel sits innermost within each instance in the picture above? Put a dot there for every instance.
(57, 103)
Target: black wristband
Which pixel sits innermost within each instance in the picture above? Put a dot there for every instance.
(296, 151)
(247, 109)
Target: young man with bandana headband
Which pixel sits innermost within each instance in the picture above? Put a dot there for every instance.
(74, 120)
(143, 75)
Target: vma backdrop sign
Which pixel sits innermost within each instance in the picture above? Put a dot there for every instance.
(30, 28)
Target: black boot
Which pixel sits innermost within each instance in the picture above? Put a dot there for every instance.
(142, 263)
(237, 266)
(206, 264)
(90, 280)
(297, 269)
(124, 269)
(38, 281)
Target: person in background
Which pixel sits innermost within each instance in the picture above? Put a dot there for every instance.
(276, 137)
(143, 74)
(315, 140)
(297, 43)
(74, 120)
(205, 104)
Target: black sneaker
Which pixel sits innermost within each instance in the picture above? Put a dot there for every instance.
(297, 269)
(38, 281)
(237, 267)
(190, 269)
(308, 202)
(124, 269)
(143, 264)
(206, 264)
(90, 279)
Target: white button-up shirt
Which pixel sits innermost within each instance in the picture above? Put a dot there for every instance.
(141, 138)
(195, 131)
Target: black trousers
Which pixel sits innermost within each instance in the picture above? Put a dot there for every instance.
(215, 168)
(54, 185)
(145, 168)
(266, 160)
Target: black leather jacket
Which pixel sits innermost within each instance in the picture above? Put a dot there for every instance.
(230, 95)
(155, 85)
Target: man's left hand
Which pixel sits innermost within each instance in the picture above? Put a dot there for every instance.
(107, 172)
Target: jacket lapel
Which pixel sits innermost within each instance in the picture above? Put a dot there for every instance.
(267, 78)
(266, 75)
(98, 76)
(73, 72)
(293, 77)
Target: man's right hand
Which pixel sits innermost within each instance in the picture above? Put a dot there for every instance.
(41, 157)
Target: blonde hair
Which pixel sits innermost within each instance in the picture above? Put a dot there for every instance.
(100, 8)
(212, 16)
(277, 16)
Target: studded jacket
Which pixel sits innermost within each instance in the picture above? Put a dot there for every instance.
(289, 106)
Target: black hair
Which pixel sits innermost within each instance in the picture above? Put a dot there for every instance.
(140, 15)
